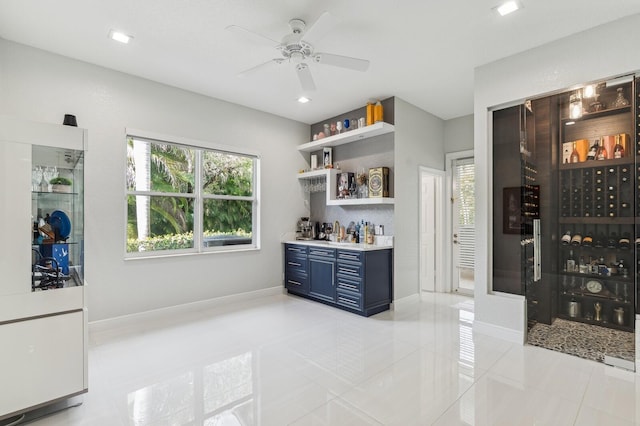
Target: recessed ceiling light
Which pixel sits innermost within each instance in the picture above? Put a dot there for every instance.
(118, 36)
(303, 100)
(508, 7)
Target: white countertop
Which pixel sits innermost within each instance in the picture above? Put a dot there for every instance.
(343, 246)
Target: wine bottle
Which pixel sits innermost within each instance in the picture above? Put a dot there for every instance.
(602, 151)
(566, 238)
(576, 240)
(593, 151)
(587, 241)
(575, 157)
(624, 242)
(618, 149)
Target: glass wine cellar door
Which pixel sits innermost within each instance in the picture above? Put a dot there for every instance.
(566, 197)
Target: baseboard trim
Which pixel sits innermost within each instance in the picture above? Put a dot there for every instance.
(508, 334)
(110, 323)
(404, 301)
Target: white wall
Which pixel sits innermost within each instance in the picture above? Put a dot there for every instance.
(41, 86)
(598, 53)
(419, 140)
(458, 134)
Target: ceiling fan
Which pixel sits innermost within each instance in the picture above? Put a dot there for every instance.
(297, 48)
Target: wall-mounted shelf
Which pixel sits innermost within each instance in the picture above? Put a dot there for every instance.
(360, 201)
(330, 176)
(376, 129)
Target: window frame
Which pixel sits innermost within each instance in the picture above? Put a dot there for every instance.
(198, 195)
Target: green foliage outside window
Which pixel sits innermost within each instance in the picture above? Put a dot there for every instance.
(170, 170)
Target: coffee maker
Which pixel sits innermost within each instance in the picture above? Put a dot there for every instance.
(305, 230)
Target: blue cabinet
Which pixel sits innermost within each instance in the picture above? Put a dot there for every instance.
(296, 272)
(322, 265)
(353, 280)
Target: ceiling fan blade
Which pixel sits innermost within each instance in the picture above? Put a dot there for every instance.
(320, 28)
(252, 36)
(259, 67)
(341, 61)
(305, 77)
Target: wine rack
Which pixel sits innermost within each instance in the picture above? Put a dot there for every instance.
(597, 228)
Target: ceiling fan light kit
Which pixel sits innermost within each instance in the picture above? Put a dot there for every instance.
(297, 48)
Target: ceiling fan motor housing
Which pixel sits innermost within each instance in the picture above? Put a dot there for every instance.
(292, 46)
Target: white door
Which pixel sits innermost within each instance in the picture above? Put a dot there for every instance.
(431, 229)
(463, 224)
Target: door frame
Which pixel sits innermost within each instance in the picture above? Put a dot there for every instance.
(439, 211)
(449, 158)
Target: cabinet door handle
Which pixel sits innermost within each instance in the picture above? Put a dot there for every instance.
(347, 301)
(293, 264)
(320, 253)
(349, 257)
(294, 282)
(349, 286)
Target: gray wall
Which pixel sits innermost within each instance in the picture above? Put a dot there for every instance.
(41, 86)
(419, 141)
(458, 134)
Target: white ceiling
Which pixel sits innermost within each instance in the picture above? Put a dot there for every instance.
(423, 51)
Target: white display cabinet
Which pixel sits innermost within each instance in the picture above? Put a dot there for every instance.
(43, 310)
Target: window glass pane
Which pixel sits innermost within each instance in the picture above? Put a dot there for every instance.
(227, 222)
(159, 223)
(160, 167)
(227, 174)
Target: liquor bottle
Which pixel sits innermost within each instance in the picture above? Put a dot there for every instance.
(618, 149)
(566, 238)
(575, 157)
(602, 151)
(571, 262)
(593, 151)
(582, 267)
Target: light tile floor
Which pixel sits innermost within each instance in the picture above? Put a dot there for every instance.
(284, 360)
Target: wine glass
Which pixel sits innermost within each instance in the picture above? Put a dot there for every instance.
(36, 178)
(339, 127)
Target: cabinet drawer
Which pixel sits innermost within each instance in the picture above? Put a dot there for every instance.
(349, 284)
(296, 264)
(350, 269)
(349, 300)
(296, 282)
(295, 250)
(322, 252)
(350, 256)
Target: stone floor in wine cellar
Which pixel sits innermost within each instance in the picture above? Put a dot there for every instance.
(583, 340)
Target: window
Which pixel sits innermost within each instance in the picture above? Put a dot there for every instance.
(189, 199)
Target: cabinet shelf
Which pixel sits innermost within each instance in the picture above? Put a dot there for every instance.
(597, 163)
(376, 129)
(598, 277)
(597, 220)
(598, 114)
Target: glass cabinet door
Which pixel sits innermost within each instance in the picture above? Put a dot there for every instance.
(57, 216)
